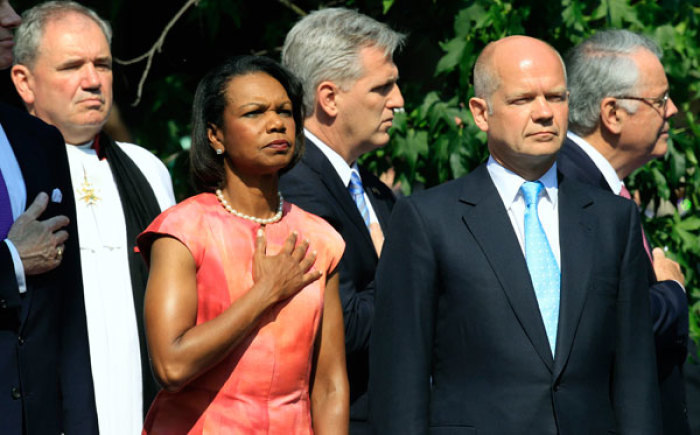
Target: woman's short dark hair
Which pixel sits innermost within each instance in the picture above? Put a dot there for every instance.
(206, 167)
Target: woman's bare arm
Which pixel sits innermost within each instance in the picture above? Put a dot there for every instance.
(180, 350)
(330, 394)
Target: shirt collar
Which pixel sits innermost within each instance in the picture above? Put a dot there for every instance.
(339, 164)
(600, 162)
(508, 183)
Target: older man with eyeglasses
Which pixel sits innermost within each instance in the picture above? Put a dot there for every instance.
(618, 121)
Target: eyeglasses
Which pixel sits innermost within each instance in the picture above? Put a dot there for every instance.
(658, 103)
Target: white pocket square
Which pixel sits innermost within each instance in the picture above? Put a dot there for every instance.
(56, 195)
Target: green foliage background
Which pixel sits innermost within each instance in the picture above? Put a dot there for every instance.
(435, 140)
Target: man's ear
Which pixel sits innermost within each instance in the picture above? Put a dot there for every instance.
(327, 96)
(480, 111)
(24, 83)
(216, 141)
(611, 115)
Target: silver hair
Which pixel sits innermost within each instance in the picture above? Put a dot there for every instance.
(28, 35)
(325, 45)
(485, 79)
(600, 67)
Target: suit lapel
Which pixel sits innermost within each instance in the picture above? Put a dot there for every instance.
(487, 220)
(575, 227)
(318, 162)
(24, 148)
(33, 174)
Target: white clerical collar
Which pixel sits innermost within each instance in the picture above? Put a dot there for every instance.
(600, 161)
(339, 164)
(83, 146)
(508, 182)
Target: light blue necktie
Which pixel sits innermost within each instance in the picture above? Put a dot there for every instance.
(544, 271)
(358, 194)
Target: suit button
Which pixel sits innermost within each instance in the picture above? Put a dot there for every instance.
(3, 304)
(20, 340)
(16, 394)
(555, 388)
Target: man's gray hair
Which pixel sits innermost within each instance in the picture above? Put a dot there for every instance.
(28, 35)
(325, 45)
(600, 67)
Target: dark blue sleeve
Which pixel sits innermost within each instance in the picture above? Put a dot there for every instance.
(669, 314)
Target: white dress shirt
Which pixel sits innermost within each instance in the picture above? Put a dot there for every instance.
(342, 168)
(508, 185)
(17, 191)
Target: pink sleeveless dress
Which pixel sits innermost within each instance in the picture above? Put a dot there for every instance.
(262, 386)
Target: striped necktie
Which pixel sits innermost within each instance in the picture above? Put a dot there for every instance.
(358, 195)
(543, 267)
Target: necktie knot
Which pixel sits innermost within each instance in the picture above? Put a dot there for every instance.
(625, 193)
(355, 185)
(531, 191)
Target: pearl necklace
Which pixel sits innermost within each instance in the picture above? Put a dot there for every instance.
(261, 221)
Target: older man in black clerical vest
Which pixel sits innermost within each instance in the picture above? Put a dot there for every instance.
(63, 73)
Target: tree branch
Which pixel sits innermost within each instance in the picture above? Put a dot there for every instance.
(156, 48)
(299, 11)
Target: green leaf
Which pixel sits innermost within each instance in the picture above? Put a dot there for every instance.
(677, 163)
(572, 15)
(660, 180)
(473, 16)
(387, 4)
(689, 240)
(454, 50)
(690, 224)
(457, 165)
(616, 12)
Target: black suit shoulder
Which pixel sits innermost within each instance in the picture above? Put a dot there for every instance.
(576, 164)
(668, 303)
(300, 185)
(14, 120)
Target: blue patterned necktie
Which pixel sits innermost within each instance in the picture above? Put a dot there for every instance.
(544, 271)
(358, 194)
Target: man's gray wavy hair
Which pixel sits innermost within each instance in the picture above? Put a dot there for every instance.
(600, 67)
(325, 45)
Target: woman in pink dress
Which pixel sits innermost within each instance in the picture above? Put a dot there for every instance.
(243, 317)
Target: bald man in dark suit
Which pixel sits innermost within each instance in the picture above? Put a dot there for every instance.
(509, 301)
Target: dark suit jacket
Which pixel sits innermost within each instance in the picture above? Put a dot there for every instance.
(314, 185)
(459, 346)
(45, 380)
(669, 308)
